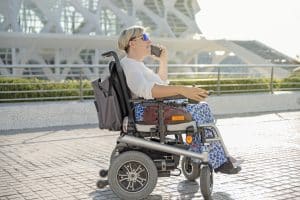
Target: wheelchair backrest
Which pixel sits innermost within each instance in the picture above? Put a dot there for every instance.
(120, 85)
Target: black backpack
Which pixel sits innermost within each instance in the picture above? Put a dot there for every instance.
(107, 105)
(112, 97)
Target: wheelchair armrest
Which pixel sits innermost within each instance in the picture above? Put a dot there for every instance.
(191, 101)
(157, 101)
(140, 100)
(147, 102)
(171, 98)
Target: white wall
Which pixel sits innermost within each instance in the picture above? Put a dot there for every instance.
(63, 113)
(249, 103)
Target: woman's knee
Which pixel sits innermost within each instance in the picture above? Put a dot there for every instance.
(204, 107)
(203, 111)
(203, 104)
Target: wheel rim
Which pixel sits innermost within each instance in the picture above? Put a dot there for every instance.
(132, 176)
(188, 167)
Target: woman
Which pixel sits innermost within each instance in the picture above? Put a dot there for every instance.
(143, 82)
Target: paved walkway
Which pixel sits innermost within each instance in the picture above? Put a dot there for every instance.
(63, 163)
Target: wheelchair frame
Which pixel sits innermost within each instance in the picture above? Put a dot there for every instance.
(143, 152)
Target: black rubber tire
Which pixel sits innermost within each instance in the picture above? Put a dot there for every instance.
(113, 155)
(190, 170)
(139, 168)
(103, 173)
(102, 183)
(206, 182)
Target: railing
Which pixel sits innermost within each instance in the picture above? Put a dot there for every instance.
(56, 82)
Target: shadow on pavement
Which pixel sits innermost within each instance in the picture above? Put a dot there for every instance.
(221, 196)
(44, 129)
(188, 189)
(107, 192)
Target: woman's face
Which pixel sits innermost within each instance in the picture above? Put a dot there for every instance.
(141, 44)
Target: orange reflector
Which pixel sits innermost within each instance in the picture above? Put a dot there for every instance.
(189, 139)
(177, 117)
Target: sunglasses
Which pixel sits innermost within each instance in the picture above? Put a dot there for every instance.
(144, 37)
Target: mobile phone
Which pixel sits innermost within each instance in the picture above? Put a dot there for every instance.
(155, 50)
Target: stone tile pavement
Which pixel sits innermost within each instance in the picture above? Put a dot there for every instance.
(63, 163)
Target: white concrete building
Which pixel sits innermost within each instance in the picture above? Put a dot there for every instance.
(65, 32)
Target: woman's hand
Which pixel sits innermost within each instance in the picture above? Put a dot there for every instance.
(194, 93)
(164, 54)
(163, 58)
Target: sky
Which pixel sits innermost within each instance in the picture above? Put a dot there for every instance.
(275, 23)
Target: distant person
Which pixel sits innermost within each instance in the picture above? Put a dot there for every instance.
(143, 82)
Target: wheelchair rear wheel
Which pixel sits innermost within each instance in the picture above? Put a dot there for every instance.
(206, 182)
(190, 170)
(113, 155)
(132, 175)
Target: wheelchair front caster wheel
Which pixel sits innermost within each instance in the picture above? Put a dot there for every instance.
(206, 182)
(190, 170)
(102, 183)
(103, 173)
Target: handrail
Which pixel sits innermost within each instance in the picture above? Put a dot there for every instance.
(149, 65)
(218, 77)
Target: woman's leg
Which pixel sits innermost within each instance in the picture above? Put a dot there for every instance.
(138, 112)
(201, 113)
(216, 154)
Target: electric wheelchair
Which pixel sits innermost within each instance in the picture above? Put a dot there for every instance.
(146, 151)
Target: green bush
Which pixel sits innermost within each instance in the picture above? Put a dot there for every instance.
(23, 88)
(35, 88)
(233, 85)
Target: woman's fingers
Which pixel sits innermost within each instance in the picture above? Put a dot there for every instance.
(163, 55)
(194, 93)
(197, 94)
(201, 92)
(204, 94)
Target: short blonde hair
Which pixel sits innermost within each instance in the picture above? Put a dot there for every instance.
(127, 35)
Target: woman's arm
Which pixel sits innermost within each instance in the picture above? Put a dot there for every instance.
(159, 91)
(163, 64)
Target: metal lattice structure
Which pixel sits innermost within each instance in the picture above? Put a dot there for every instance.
(66, 32)
(172, 18)
(31, 29)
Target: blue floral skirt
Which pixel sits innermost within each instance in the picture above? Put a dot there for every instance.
(201, 113)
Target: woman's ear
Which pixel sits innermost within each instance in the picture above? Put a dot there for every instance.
(130, 44)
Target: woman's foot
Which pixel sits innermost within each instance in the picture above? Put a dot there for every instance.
(235, 162)
(228, 168)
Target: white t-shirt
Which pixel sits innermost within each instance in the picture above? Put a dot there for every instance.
(140, 79)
